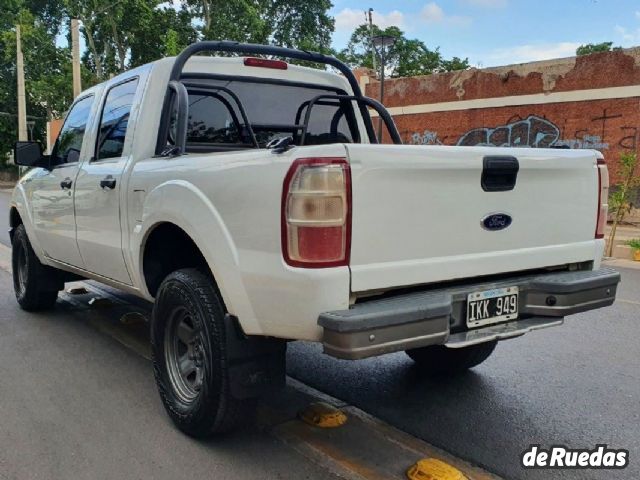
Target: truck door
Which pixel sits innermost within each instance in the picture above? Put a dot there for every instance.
(100, 195)
(52, 191)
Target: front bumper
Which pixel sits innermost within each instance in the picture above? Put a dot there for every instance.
(438, 317)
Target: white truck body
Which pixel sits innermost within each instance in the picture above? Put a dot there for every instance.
(416, 211)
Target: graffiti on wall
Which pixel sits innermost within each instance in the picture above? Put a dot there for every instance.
(536, 131)
(425, 138)
(532, 131)
(588, 141)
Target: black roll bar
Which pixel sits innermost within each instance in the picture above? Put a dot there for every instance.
(182, 102)
(255, 49)
(363, 102)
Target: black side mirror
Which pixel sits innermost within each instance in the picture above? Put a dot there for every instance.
(29, 154)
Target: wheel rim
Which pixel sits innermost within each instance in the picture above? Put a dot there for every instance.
(184, 355)
(21, 265)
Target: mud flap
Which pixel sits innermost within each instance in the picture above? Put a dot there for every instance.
(256, 364)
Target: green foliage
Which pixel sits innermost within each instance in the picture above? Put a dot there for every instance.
(590, 48)
(407, 57)
(122, 34)
(634, 243)
(46, 66)
(619, 204)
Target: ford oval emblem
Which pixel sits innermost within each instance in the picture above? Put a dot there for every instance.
(496, 221)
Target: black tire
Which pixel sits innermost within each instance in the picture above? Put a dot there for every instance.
(199, 403)
(36, 286)
(441, 360)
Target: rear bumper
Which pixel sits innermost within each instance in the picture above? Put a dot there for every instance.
(438, 317)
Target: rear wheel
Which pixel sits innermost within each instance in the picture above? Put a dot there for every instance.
(36, 286)
(441, 360)
(190, 358)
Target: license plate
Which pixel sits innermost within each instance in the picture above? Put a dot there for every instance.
(492, 306)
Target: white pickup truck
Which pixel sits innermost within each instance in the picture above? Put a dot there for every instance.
(250, 200)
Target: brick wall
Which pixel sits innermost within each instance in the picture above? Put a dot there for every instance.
(581, 102)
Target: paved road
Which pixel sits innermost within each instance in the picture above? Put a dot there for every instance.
(576, 385)
(76, 404)
(5, 198)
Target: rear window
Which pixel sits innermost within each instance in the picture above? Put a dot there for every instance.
(273, 111)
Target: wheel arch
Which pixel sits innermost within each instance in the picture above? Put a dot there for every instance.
(185, 253)
(190, 221)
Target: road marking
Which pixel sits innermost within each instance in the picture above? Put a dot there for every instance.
(623, 300)
(5, 258)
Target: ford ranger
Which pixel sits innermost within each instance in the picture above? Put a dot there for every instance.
(251, 201)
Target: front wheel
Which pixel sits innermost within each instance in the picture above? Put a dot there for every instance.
(190, 356)
(441, 360)
(36, 286)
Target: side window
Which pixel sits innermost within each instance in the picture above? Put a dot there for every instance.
(114, 120)
(69, 142)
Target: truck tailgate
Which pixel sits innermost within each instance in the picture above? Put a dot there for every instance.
(418, 211)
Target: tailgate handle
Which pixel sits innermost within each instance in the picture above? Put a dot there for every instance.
(499, 173)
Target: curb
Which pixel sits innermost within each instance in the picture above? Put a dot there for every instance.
(621, 263)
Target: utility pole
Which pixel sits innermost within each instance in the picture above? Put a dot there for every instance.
(373, 51)
(22, 104)
(384, 43)
(75, 57)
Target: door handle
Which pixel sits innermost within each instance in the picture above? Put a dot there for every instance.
(108, 182)
(66, 184)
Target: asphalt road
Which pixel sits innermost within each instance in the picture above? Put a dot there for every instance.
(577, 385)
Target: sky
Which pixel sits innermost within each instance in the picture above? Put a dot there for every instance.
(499, 32)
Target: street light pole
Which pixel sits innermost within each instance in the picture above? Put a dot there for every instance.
(373, 51)
(382, 42)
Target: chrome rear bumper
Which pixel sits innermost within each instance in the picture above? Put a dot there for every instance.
(438, 316)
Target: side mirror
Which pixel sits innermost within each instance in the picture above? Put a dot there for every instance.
(29, 154)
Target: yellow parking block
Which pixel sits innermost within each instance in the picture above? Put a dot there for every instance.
(434, 469)
(323, 415)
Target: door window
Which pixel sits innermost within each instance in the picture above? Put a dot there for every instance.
(69, 142)
(114, 120)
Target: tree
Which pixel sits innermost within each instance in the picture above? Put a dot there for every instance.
(406, 58)
(304, 24)
(122, 34)
(619, 199)
(590, 48)
(47, 69)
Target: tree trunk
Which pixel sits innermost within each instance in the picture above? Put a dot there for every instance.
(88, 30)
(206, 13)
(120, 48)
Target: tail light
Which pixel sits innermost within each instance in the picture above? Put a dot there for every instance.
(603, 197)
(316, 213)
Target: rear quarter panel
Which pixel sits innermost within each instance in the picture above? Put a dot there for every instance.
(229, 204)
